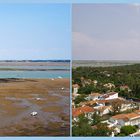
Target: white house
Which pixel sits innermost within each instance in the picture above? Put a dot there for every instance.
(126, 119)
(128, 105)
(109, 96)
(75, 88)
(103, 110)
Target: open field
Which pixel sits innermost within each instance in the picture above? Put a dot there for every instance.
(49, 98)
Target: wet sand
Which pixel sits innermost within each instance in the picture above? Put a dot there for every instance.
(49, 98)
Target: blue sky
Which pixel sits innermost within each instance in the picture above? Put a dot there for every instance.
(106, 31)
(35, 31)
(69, 1)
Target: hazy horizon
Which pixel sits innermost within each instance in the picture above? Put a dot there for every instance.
(106, 32)
(34, 59)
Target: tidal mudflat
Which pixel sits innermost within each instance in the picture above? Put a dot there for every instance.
(49, 98)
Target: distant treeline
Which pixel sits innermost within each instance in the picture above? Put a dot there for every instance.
(34, 60)
(15, 69)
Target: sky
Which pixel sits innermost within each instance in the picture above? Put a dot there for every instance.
(106, 31)
(35, 31)
(69, 1)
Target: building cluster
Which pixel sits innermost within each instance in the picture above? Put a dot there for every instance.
(106, 104)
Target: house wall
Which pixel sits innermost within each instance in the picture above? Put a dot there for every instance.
(106, 111)
(75, 90)
(123, 123)
(99, 106)
(114, 96)
(135, 122)
(89, 115)
(90, 97)
(117, 121)
(113, 120)
(126, 107)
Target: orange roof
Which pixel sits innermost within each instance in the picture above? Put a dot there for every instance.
(93, 102)
(102, 101)
(80, 110)
(132, 115)
(137, 111)
(127, 117)
(75, 112)
(87, 103)
(119, 116)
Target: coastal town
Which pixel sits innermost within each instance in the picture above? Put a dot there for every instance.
(103, 108)
(106, 70)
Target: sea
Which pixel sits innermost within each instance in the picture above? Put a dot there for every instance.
(34, 69)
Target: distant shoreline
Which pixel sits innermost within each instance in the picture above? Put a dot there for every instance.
(102, 63)
(34, 60)
(29, 63)
(14, 69)
(121, 61)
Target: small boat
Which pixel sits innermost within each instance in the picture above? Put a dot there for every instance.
(38, 98)
(34, 113)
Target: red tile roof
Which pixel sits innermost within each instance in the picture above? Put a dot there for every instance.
(126, 117)
(137, 111)
(80, 110)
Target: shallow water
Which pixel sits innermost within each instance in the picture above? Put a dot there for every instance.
(36, 67)
(34, 74)
(34, 70)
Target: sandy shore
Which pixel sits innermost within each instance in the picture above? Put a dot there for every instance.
(49, 98)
